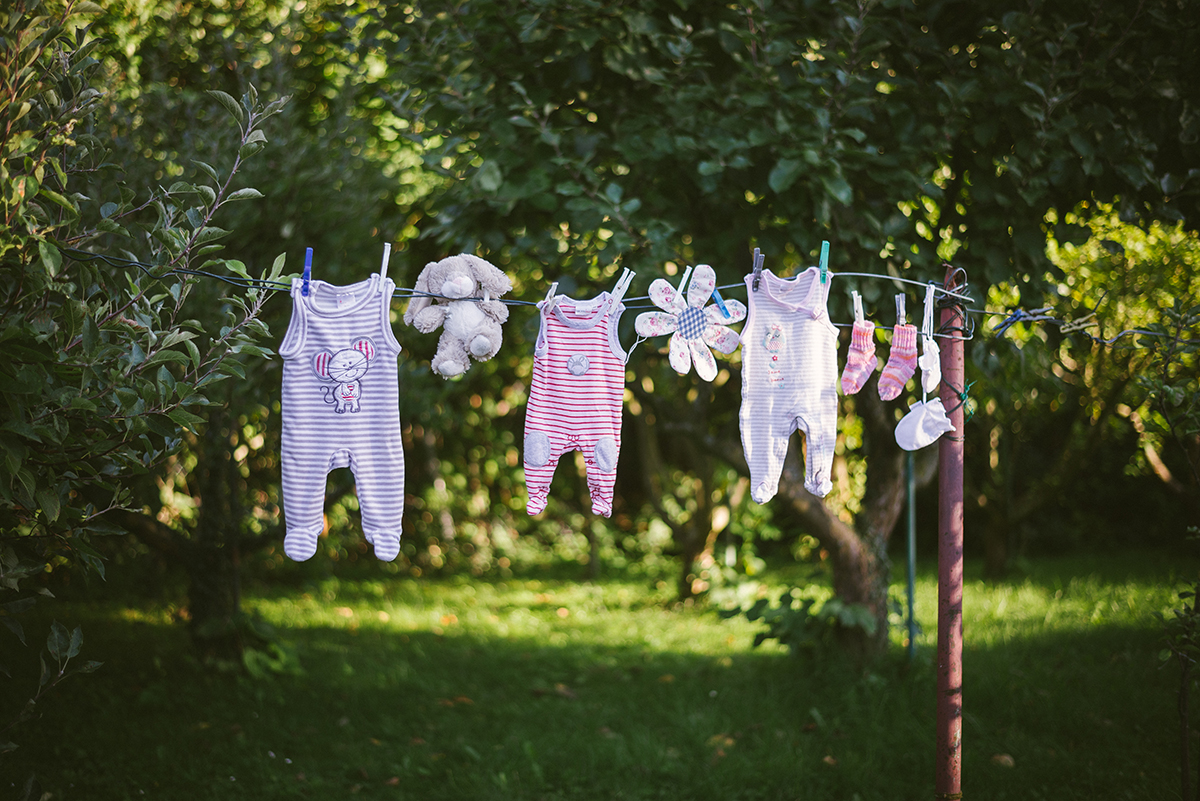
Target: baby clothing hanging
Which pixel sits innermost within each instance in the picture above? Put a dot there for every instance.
(789, 379)
(861, 361)
(931, 355)
(692, 325)
(926, 419)
(902, 358)
(340, 407)
(576, 396)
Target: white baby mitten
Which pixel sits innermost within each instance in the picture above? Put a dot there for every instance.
(924, 423)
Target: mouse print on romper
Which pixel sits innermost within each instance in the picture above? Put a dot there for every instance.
(343, 372)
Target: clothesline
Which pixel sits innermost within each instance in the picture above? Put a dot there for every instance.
(1012, 316)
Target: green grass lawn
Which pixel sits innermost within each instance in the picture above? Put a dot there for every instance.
(552, 689)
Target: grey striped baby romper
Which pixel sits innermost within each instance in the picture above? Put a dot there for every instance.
(341, 408)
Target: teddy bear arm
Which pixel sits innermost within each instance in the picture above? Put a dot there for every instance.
(495, 309)
(428, 319)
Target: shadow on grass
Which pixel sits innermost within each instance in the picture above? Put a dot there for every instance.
(382, 712)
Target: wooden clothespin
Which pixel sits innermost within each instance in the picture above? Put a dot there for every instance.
(307, 276)
(824, 263)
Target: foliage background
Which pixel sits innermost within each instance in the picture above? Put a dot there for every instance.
(1050, 149)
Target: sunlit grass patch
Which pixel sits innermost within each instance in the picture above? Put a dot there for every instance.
(531, 688)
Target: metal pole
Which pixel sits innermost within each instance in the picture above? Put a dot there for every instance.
(948, 763)
(911, 472)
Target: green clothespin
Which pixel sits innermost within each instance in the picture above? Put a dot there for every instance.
(824, 261)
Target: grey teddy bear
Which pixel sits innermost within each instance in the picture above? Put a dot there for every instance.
(469, 313)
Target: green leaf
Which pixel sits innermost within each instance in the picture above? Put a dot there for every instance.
(51, 257)
(489, 178)
(91, 334)
(244, 194)
(76, 642)
(232, 106)
(161, 356)
(186, 419)
(209, 234)
(15, 627)
(108, 210)
(784, 174)
(237, 268)
(49, 502)
(207, 170)
(110, 227)
(194, 353)
(840, 188)
(58, 643)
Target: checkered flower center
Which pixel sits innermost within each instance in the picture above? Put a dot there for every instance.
(691, 323)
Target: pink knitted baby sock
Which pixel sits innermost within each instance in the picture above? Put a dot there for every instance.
(861, 361)
(901, 364)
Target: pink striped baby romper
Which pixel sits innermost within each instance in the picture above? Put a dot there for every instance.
(576, 398)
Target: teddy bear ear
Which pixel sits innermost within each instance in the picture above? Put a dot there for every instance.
(364, 346)
(488, 275)
(320, 364)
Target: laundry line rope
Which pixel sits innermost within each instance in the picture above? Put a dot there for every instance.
(1011, 316)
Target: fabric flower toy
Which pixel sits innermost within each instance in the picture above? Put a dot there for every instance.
(693, 327)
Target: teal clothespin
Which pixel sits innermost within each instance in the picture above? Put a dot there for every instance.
(824, 260)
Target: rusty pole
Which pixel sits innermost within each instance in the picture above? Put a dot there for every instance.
(948, 764)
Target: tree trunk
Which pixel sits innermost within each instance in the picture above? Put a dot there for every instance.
(218, 628)
(858, 554)
(693, 537)
(210, 553)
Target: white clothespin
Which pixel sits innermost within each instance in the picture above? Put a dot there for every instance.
(387, 256)
(901, 315)
(930, 361)
(548, 303)
(622, 285)
(687, 273)
(858, 309)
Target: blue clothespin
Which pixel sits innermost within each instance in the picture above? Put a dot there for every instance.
(307, 272)
(720, 302)
(824, 261)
